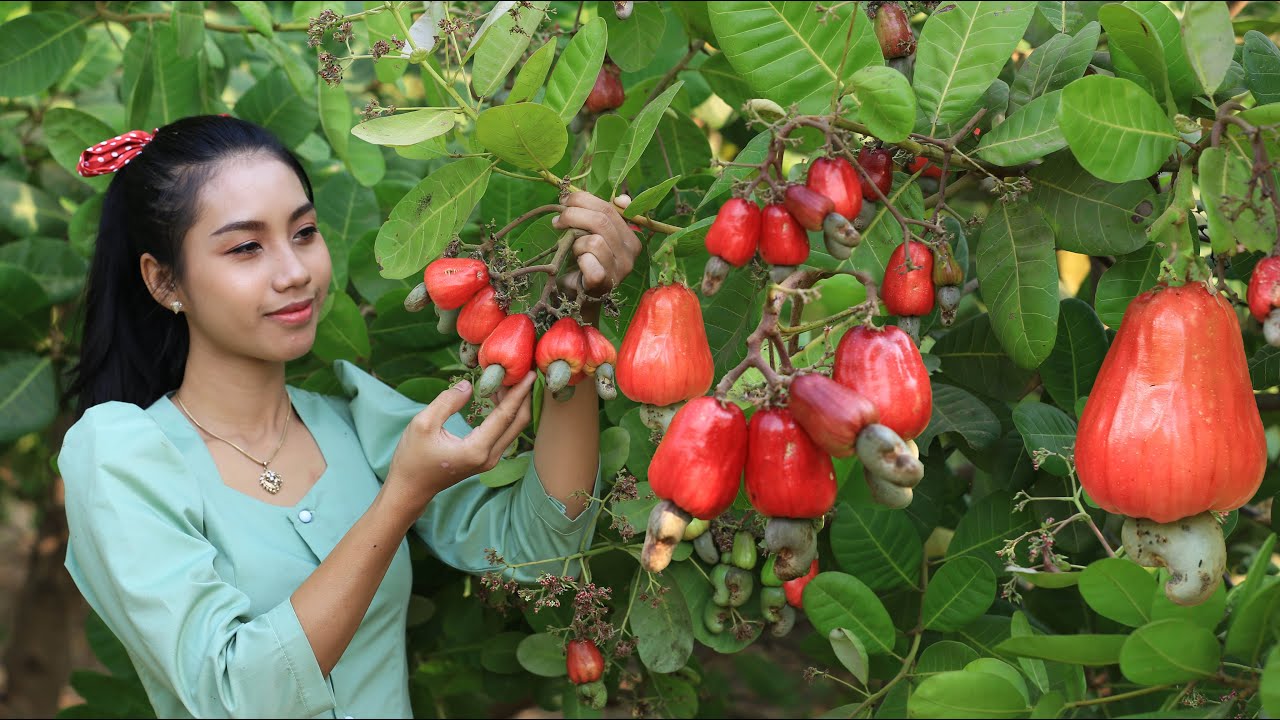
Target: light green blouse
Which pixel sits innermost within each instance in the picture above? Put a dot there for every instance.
(195, 577)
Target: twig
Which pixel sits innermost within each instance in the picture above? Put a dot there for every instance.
(695, 47)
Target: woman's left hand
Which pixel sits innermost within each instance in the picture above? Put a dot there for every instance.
(609, 249)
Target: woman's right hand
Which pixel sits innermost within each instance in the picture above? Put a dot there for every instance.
(429, 458)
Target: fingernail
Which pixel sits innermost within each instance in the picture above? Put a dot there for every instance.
(464, 386)
(555, 219)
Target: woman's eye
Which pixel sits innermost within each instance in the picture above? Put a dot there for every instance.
(246, 248)
(308, 232)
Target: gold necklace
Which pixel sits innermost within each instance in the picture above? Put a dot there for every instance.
(270, 480)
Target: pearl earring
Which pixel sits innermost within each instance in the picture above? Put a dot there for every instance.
(176, 305)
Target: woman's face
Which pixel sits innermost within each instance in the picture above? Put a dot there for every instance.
(256, 267)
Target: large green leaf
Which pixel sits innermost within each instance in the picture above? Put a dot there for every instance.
(1161, 20)
(679, 148)
(664, 634)
(1169, 651)
(504, 44)
(1132, 274)
(724, 80)
(1066, 16)
(69, 132)
(966, 694)
(58, 268)
(636, 140)
(423, 222)
(1133, 36)
(838, 600)
(1114, 128)
(877, 546)
(575, 72)
(273, 104)
(955, 410)
(789, 53)
(730, 315)
(1239, 216)
(533, 73)
(527, 135)
(342, 334)
(183, 86)
(1209, 41)
(1262, 67)
(405, 129)
(959, 593)
(1054, 65)
(1069, 371)
(634, 42)
(24, 308)
(1269, 688)
(753, 152)
(1254, 624)
(542, 654)
(972, 356)
(258, 15)
(36, 49)
(1119, 590)
(1073, 649)
(1029, 134)
(28, 400)
(1018, 278)
(380, 27)
(1088, 215)
(1045, 427)
(986, 526)
(885, 103)
(961, 51)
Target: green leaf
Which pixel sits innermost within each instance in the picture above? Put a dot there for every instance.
(1063, 16)
(68, 133)
(1269, 687)
(1069, 371)
(730, 315)
(499, 653)
(36, 49)
(1169, 651)
(405, 129)
(533, 73)
(943, 656)
(1119, 590)
(1164, 24)
(959, 593)
(1115, 129)
(878, 546)
(697, 594)
(1262, 67)
(966, 694)
(24, 308)
(424, 221)
(575, 72)
(506, 472)
(615, 444)
(182, 87)
(542, 654)
(886, 104)
(972, 356)
(664, 634)
(1029, 134)
(986, 526)
(679, 149)
(753, 152)
(336, 116)
(1020, 626)
(838, 600)
(1054, 65)
(724, 80)
(1209, 41)
(273, 104)
(188, 21)
(608, 135)
(342, 334)
(1131, 35)
(675, 697)
(1089, 216)
(1000, 668)
(961, 51)
(28, 400)
(1048, 428)
(634, 42)
(1207, 614)
(58, 269)
(527, 135)
(504, 45)
(1132, 274)
(258, 15)
(1018, 277)
(650, 198)
(1258, 573)
(638, 136)
(849, 649)
(789, 53)
(1239, 216)
(1074, 649)
(27, 210)
(107, 647)
(955, 410)
(1254, 624)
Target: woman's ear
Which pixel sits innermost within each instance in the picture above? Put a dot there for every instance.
(159, 280)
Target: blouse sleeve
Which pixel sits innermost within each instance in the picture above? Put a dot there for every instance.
(138, 555)
(521, 522)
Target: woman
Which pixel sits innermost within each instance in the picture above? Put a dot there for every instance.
(246, 540)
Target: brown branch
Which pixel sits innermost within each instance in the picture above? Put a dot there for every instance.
(110, 16)
(695, 47)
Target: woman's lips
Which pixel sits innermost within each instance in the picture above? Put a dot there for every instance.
(294, 314)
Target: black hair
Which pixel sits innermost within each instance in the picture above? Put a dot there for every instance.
(132, 349)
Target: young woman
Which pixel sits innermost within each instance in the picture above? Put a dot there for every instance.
(246, 540)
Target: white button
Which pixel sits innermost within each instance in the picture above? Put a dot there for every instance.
(305, 516)
(349, 717)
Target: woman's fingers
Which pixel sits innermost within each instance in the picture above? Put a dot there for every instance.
(487, 434)
(523, 416)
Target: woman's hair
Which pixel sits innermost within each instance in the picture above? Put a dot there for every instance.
(132, 349)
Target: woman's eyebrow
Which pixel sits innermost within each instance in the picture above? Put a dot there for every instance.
(258, 225)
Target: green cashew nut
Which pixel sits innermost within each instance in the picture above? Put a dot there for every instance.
(744, 553)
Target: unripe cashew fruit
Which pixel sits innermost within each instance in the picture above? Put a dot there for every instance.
(788, 620)
(795, 542)
(1192, 549)
(417, 298)
(705, 546)
(667, 523)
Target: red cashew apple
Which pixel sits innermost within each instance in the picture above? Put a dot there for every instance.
(878, 163)
(696, 470)
(561, 354)
(732, 241)
(783, 243)
(451, 282)
(601, 360)
(893, 30)
(1264, 297)
(665, 358)
(584, 662)
(1171, 431)
(884, 366)
(835, 178)
(480, 316)
(607, 93)
(807, 206)
(795, 588)
(507, 354)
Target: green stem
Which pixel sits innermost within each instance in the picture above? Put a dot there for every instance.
(448, 87)
(1121, 696)
(598, 550)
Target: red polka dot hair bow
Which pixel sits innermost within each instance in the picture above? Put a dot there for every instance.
(111, 155)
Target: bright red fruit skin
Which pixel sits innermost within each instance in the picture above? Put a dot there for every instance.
(584, 662)
(795, 588)
(884, 366)
(839, 182)
(451, 282)
(808, 207)
(788, 475)
(698, 464)
(564, 340)
(930, 170)
(607, 93)
(511, 346)
(878, 163)
(909, 292)
(894, 31)
(782, 240)
(831, 413)
(665, 357)
(1171, 428)
(735, 233)
(1264, 287)
(480, 316)
(599, 350)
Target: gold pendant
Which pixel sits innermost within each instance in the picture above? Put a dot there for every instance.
(270, 481)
